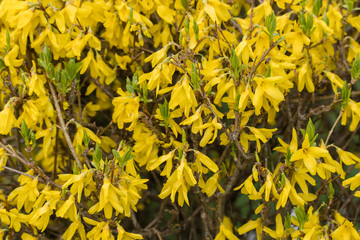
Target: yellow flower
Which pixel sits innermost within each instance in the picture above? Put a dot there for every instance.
(226, 230)
(346, 229)
(30, 113)
(146, 144)
(126, 110)
(154, 163)
(122, 61)
(36, 83)
(157, 57)
(261, 134)
(75, 225)
(7, 120)
(308, 155)
(109, 199)
(10, 59)
(293, 146)
(305, 78)
(267, 90)
(26, 194)
(284, 194)
(250, 225)
(347, 157)
(100, 231)
(352, 110)
(179, 181)
(79, 136)
(166, 13)
(123, 235)
(279, 232)
(40, 217)
(68, 209)
(297, 40)
(210, 132)
(3, 159)
(247, 187)
(195, 121)
(206, 161)
(353, 181)
(211, 185)
(183, 96)
(26, 236)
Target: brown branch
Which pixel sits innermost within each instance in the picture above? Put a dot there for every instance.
(64, 128)
(103, 88)
(12, 153)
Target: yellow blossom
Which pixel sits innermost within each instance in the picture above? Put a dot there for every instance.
(7, 120)
(308, 155)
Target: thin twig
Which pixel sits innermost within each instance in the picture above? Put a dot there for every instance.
(333, 127)
(103, 88)
(18, 172)
(64, 128)
(13, 153)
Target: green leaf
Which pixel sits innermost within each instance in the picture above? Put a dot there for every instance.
(86, 139)
(75, 169)
(131, 15)
(129, 86)
(355, 68)
(349, 5)
(194, 77)
(57, 74)
(72, 68)
(309, 23)
(345, 94)
(287, 223)
(107, 166)
(187, 26)
(33, 139)
(196, 29)
(165, 112)
(2, 64)
(268, 71)
(184, 4)
(310, 130)
(235, 63)
(24, 131)
(280, 40)
(116, 154)
(301, 216)
(326, 20)
(7, 40)
(288, 156)
(270, 23)
(97, 156)
(317, 6)
(64, 82)
(127, 156)
(183, 137)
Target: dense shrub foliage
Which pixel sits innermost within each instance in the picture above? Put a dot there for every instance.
(185, 119)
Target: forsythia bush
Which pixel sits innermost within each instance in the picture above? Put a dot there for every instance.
(181, 119)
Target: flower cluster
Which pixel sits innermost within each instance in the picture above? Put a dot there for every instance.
(199, 119)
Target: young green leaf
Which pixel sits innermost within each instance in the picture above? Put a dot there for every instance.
(196, 29)
(355, 68)
(165, 112)
(86, 139)
(316, 7)
(345, 94)
(270, 23)
(97, 156)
